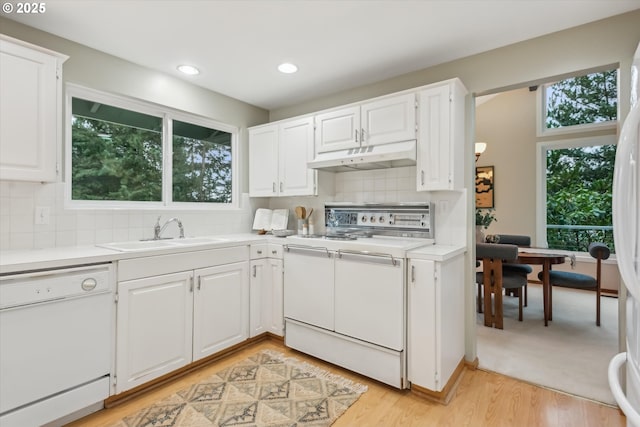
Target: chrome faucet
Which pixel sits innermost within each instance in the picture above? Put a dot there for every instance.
(157, 229)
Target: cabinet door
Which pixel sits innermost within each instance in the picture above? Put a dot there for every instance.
(221, 308)
(29, 113)
(434, 156)
(389, 120)
(154, 321)
(295, 150)
(338, 130)
(422, 324)
(274, 314)
(258, 297)
(263, 161)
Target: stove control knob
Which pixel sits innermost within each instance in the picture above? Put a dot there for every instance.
(373, 218)
(364, 218)
(381, 219)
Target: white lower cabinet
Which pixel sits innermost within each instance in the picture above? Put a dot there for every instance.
(220, 308)
(154, 328)
(168, 320)
(435, 321)
(266, 294)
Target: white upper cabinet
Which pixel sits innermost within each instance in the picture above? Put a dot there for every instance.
(377, 122)
(295, 150)
(338, 129)
(440, 156)
(30, 113)
(278, 156)
(389, 120)
(263, 161)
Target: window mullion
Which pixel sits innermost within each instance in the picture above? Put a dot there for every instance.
(167, 160)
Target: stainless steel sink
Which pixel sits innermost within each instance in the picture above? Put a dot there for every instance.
(140, 245)
(196, 240)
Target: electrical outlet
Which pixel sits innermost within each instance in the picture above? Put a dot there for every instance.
(42, 215)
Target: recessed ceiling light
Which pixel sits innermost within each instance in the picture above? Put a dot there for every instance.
(287, 68)
(188, 69)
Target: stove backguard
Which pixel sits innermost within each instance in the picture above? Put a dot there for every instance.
(401, 220)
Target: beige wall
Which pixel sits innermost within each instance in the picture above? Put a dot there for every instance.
(604, 42)
(507, 124)
(98, 70)
(70, 227)
(610, 41)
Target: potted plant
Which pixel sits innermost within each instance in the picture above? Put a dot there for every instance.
(484, 218)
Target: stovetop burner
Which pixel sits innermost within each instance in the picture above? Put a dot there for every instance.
(340, 237)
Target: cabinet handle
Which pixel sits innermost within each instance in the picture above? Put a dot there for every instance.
(191, 284)
(254, 271)
(356, 135)
(274, 187)
(199, 282)
(281, 186)
(422, 177)
(259, 251)
(274, 252)
(413, 274)
(362, 135)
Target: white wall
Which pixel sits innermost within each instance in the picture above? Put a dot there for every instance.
(68, 227)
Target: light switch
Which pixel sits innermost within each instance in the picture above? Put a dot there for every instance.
(42, 215)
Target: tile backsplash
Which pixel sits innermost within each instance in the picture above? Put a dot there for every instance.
(22, 202)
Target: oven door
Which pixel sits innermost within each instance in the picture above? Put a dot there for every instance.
(370, 298)
(308, 285)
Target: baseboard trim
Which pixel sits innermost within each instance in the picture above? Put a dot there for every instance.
(473, 364)
(125, 396)
(442, 397)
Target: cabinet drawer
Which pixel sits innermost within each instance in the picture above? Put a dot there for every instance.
(259, 250)
(275, 251)
(164, 264)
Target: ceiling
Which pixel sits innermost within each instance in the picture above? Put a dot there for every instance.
(337, 44)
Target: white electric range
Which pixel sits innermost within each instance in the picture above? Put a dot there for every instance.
(345, 292)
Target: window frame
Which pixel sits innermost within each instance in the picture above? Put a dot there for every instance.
(541, 176)
(541, 108)
(167, 114)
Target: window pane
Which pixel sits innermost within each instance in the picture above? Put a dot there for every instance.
(579, 184)
(201, 164)
(592, 98)
(116, 154)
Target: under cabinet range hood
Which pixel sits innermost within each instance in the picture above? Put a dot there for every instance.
(367, 157)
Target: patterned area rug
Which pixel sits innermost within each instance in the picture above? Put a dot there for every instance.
(265, 389)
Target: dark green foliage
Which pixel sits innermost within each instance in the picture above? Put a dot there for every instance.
(579, 180)
(122, 161)
(592, 98)
(115, 162)
(201, 171)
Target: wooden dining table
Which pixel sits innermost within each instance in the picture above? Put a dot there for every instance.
(546, 260)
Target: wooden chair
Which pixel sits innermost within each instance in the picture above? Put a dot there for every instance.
(494, 279)
(569, 279)
(521, 241)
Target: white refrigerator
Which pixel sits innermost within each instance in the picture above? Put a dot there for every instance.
(626, 233)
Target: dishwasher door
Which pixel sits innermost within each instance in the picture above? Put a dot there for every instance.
(55, 336)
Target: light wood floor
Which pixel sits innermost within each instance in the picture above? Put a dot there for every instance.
(482, 399)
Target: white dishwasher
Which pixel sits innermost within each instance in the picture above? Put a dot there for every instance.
(56, 343)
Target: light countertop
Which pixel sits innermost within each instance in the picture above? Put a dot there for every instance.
(436, 252)
(39, 259)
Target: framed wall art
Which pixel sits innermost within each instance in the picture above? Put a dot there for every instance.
(484, 187)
